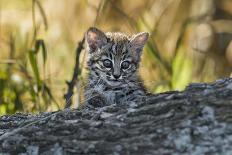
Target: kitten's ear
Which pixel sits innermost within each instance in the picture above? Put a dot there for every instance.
(138, 41)
(95, 38)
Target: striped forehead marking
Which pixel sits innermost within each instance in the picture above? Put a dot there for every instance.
(114, 48)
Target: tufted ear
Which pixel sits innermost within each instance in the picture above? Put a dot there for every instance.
(95, 39)
(138, 41)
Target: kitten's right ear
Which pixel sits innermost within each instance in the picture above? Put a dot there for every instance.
(95, 39)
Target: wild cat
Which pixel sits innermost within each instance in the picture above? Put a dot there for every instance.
(113, 62)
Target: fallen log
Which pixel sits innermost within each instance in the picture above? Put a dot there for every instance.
(195, 121)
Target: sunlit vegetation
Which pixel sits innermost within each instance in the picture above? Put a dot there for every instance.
(190, 41)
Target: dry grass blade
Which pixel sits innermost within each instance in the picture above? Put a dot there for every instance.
(100, 8)
(42, 12)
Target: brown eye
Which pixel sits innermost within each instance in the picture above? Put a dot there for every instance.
(107, 63)
(125, 64)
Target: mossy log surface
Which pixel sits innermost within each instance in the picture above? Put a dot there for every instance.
(195, 121)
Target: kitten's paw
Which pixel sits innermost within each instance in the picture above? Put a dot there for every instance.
(97, 100)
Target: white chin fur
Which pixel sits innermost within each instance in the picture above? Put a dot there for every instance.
(114, 83)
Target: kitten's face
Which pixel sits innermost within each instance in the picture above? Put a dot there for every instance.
(115, 64)
(114, 57)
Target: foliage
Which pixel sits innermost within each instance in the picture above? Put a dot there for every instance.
(21, 86)
(37, 42)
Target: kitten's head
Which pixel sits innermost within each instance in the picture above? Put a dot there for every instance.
(115, 56)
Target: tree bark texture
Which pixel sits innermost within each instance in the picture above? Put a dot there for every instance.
(195, 121)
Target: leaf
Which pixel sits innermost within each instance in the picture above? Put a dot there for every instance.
(182, 70)
(3, 109)
(34, 65)
(40, 43)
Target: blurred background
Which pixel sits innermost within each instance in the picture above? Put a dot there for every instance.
(190, 41)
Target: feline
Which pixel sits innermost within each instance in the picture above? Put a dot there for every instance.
(113, 62)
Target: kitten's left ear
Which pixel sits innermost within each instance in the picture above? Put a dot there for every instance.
(138, 41)
(95, 39)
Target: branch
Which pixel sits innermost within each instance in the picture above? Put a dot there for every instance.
(72, 83)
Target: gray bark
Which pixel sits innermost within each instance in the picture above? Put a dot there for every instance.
(195, 121)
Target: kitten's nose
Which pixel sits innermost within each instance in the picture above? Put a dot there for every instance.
(116, 75)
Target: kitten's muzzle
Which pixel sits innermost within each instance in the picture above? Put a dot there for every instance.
(116, 75)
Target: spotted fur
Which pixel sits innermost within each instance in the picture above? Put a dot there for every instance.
(113, 62)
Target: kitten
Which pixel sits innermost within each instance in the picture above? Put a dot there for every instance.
(113, 62)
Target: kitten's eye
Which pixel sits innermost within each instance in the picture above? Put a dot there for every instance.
(107, 63)
(125, 64)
